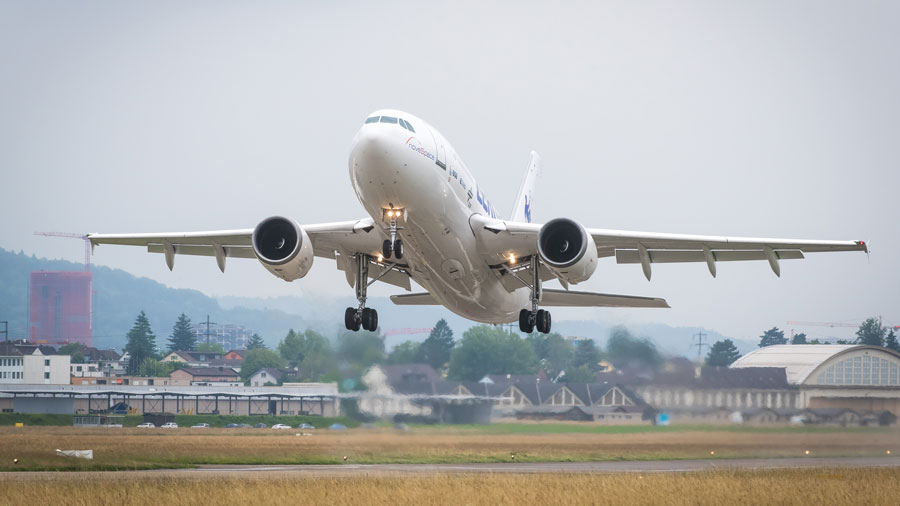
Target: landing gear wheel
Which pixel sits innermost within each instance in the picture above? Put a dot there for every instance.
(386, 248)
(398, 249)
(369, 319)
(525, 324)
(543, 321)
(350, 320)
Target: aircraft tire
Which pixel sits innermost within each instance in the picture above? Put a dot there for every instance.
(350, 319)
(543, 321)
(398, 249)
(525, 324)
(369, 319)
(386, 249)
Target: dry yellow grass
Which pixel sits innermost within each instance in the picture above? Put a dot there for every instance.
(819, 487)
(136, 448)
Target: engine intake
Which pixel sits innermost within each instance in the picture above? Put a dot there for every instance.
(566, 249)
(282, 247)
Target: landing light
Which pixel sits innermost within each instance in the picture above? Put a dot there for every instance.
(380, 258)
(512, 258)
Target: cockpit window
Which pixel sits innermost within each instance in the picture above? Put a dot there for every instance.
(373, 119)
(406, 125)
(388, 119)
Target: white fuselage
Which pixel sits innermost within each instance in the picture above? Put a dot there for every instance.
(419, 172)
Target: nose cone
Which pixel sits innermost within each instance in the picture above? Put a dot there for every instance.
(377, 155)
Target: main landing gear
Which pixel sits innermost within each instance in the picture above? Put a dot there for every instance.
(361, 316)
(529, 319)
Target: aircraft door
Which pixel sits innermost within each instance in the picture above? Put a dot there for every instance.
(440, 153)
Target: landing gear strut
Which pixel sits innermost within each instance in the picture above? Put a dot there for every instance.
(539, 318)
(393, 246)
(362, 316)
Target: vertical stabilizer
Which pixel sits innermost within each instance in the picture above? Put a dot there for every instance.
(524, 203)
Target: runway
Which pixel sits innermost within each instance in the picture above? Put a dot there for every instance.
(352, 470)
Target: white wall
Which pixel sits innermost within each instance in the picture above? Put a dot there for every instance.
(37, 367)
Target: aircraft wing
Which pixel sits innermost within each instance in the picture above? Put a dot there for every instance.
(338, 241)
(572, 298)
(498, 239)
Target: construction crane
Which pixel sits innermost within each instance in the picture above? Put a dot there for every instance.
(834, 325)
(84, 237)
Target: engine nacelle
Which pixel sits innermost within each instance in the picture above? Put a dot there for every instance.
(283, 248)
(567, 250)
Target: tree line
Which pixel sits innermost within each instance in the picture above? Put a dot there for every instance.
(870, 332)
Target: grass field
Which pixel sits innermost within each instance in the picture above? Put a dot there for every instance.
(128, 448)
(809, 486)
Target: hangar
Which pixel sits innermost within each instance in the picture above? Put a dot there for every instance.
(857, 377)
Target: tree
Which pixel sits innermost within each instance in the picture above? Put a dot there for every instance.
(722, 354)
(491, 350)
(359, 350)
(258, 359)
(255, 342)
(156, 369)
(580, 374)
(553, 351)
(405, 353)
(772, 336)
(871, 332)
(141, 343)
(75, 352)
(183, 337)
(799, 339)
(890, 342)
(624, 349)
(586, 354)
(296, 345)
(210, 348)
(436, 348)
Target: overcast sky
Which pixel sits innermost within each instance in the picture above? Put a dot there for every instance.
(772, 119)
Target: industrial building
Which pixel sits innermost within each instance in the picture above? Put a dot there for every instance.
(307, 398)
(60, 307)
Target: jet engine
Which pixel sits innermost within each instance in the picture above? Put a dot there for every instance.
(566, 249)
(283, 248)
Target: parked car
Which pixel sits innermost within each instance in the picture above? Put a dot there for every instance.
(281, 426)
(233, 426)
(200, 426)
(337, 426)
(244, 426)
(169, 425)
(260, 425)
(146, 425)
(305, 426)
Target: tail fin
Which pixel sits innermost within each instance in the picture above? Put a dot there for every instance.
(522, 209)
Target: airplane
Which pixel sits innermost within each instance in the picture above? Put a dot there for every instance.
(430, 222)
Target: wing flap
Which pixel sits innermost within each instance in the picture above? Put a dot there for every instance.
(189, 249)
(628, 256)
(414, 299)
(564, 298)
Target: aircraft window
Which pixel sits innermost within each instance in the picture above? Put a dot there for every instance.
(406, 125)
(409, 125)
(373, 119)
(388, 119)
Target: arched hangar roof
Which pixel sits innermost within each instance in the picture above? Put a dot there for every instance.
(802, 360)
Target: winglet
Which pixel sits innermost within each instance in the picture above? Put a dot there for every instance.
(524, 202)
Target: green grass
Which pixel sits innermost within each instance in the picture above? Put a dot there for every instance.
(571, 428)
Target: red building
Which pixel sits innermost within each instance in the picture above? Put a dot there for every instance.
(60, 307)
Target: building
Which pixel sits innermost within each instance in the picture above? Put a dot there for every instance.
(26, 365)
(830, 376)
(228, 336)
(270, 376)
(306, 398)
(199, 376)
(60, 307)
(204, 359)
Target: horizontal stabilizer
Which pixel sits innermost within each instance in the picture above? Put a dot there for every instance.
(564, 298)
(414, 299)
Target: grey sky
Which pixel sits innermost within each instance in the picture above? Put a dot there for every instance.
(776, 119)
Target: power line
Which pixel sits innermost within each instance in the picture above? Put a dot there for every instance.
(700, 344)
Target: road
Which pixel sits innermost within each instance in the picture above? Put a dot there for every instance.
(350, 469)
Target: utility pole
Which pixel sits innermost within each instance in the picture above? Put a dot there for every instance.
(700, 344)
(208, 323)
(6, 330)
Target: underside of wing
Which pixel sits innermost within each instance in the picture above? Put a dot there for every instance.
(340, 241)
(502, 242)
(565, 298)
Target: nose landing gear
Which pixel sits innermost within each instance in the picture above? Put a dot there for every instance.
(529, 319)
(393, 246)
